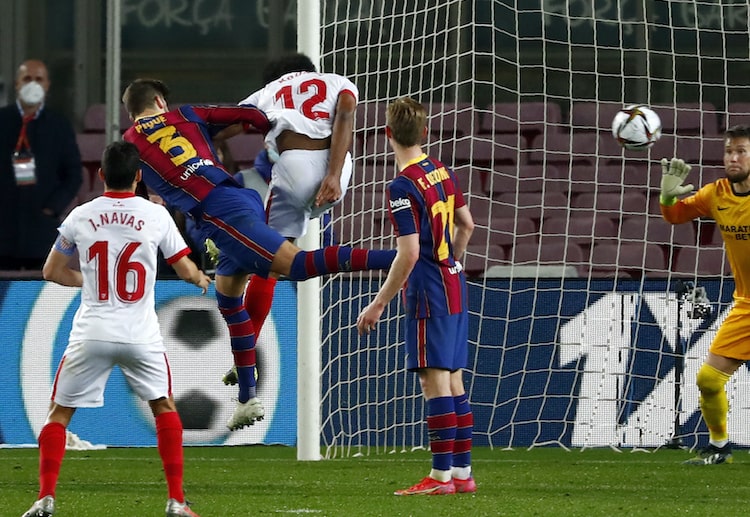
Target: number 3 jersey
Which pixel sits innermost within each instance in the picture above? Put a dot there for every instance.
(423, 198)
(177, 155)
(302, 102)
(117, 236)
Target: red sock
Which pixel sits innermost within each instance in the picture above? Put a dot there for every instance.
(169, 443)
(51, 452)
(258, 300)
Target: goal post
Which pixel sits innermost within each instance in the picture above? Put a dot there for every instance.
(573, 312)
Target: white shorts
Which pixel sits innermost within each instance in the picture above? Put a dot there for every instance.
(85, 368)
(295, 180)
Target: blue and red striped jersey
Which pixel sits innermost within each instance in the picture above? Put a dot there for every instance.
(423, 198)
(178, 159)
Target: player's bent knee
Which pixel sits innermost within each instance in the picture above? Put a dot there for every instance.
(710, 380)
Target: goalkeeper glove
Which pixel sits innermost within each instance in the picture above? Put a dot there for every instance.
(673, 174)
(212, 251)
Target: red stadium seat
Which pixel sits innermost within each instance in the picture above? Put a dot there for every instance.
(737, 113)
(583, 230)
(526, 118)
(563, 148)
(95, 118)
(479, 258)
(703, 261)
(451, 119)
(533, 205)
(627, 259)
(688, 118)
(594, 116)
(656, 230)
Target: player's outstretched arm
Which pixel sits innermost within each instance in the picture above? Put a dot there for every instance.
(673, 174)
(189, 272)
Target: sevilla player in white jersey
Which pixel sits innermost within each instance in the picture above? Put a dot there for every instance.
(313, 129)
(117, 236)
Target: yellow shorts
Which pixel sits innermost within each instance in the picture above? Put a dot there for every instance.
(733, 337)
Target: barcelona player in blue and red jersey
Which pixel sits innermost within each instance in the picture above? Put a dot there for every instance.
(180, 164)
(433, 226)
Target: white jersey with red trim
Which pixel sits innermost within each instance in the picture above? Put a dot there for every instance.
(117, 236)
(303, 102)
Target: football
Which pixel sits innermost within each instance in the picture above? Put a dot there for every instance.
(636, 127)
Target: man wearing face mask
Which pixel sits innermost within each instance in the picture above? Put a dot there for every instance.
(40, 171)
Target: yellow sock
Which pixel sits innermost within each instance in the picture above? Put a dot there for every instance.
(713, 401)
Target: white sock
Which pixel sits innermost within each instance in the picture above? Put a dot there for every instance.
(461, 473)
(719, 443)
(441, 475)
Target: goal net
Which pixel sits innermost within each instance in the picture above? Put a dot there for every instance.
(584, 326)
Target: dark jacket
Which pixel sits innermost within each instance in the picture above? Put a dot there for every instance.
(24, 230)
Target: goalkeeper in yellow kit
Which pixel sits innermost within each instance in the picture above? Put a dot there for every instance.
(727, 201)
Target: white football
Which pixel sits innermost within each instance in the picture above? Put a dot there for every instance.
(636, 127)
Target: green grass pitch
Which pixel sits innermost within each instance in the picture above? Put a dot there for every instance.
(259, 480)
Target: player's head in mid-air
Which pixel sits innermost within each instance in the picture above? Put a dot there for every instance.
(286, 65)
(121, 166)
(406, 122)
(145, 94)
(737, 153)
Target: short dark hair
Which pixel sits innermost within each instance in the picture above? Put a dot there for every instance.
(739, 131)
(140, 95)
(286, 65)
(120, 163)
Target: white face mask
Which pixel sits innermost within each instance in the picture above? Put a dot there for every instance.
(31, 93)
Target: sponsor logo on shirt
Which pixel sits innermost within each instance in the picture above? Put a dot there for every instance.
(400, 204)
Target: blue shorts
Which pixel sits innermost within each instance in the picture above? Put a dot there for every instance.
(438, 342)
(234, 218)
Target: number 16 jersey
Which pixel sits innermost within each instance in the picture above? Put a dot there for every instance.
(117, 236)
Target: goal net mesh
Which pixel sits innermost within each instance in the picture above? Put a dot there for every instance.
(584, 331)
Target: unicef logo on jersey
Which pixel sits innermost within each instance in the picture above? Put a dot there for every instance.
(199, 352)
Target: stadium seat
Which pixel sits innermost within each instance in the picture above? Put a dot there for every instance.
(533, 205)
(466, 150)
(482, 208)
(737, 113)
(479, 258)
(627, 259)
(688, 118)
(508, 231)
(527, 178)
(551, 253)
(584, 230)
(91, 147)
(694, 149)
(563, 148)
(377, 150)
(703, 261)
(614, 204)
(95, 118)
(654, 229)
(370, 117)
(595, 116)
(610, 178)
(451, 119)
(526, 118)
